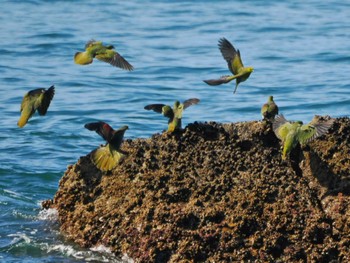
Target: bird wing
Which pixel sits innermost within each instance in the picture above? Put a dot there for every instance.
(314, 129)
(45, 99)
(101, 128)
(117, 137)
(231, 55)
(190, 102)
(221, 80)
(264, 109)
(115, 59)
(155, 107)
(281, 127)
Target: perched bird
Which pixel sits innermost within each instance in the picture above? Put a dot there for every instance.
(38, 99)
(173, 114)
(95, 49)
(292, 133)
(269, 110)
(235, 65)
(106, 157)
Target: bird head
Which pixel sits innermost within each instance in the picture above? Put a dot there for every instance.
(124, 128)
(176, 104)
(250, 69)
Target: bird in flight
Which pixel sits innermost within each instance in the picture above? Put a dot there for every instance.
(235, 65)
(37, 99)
(95, 49)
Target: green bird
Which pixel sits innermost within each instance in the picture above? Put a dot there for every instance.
(292, 133)
(106, 157)
(38, 99)
(269, 110)
(235, 65)
(173, 114)
(95, 49)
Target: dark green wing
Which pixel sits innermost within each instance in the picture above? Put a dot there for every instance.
(115, 59)
(117, 137)
(231, 55)
(46, 100)
(155, 107)
(190, 102)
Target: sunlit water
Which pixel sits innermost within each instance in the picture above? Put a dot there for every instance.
(299, 49)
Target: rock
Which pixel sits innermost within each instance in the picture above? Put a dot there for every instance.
(215, 193)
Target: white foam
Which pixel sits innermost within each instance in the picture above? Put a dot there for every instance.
(50, 214)
(94, 254)
(19, 237)
(127, 259)
(101, 249)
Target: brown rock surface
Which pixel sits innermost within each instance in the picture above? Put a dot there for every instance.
(215, 193)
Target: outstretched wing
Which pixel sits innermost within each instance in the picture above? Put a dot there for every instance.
(190, 102)
(45, 100)
(115, 59)
(281, 127)
(155, 107)
(101, 128)
(314, 129)
(117, 137)
(219, 81)
(231, 55)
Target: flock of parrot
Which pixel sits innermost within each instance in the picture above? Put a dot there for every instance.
(106, 157)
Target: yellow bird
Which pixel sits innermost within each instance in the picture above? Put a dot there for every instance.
(38, 99)
(108, 156)
(235, 65)
(95, 49)
(292, 133)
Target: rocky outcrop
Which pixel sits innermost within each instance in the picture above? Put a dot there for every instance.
(215, 193)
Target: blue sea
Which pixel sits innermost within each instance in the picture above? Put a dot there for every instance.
(300, 51)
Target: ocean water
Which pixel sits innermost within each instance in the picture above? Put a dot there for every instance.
(300, 51)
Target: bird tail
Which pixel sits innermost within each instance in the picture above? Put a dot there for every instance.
(22, 121)
(106, 157)
(25, 116)
(83, 58)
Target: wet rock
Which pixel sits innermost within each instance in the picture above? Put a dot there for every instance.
(215, 193)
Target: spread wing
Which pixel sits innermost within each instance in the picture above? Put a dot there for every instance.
(190, 102)
(155, 107)
(115, 59)
(314, 129)
(117, 137)
(231, 55)
(281, 127)
(45, 100)
(101, 128)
